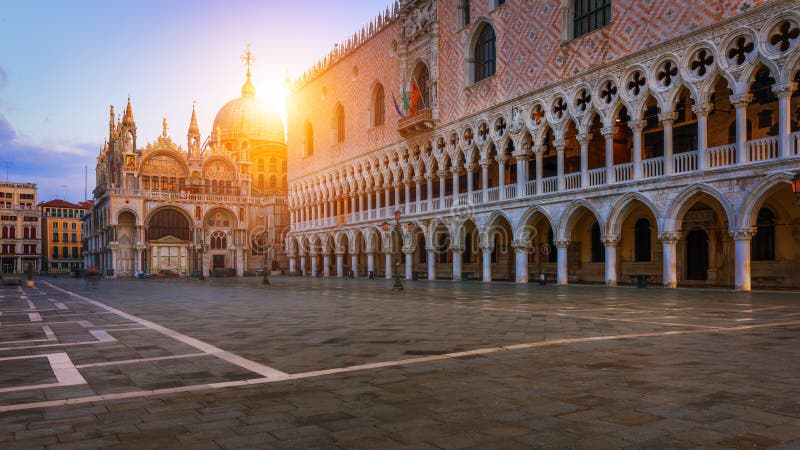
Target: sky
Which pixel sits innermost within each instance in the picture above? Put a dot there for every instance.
(63, 62)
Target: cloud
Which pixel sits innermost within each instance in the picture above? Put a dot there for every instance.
(3, 78)
(49, 164)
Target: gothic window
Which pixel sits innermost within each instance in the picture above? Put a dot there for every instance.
(378, 106)
(273, 165)
(261, 182)
(468, 249)
(12, 232)
(260, 165)
(642, 241)
(219, 241)
(442, 249)
(33, 232)
(308, 142)
(464, 12)
(421, 248)
(499, 3)
(25, 233)
(598, 249)
(273, 182)
(763, 243)
(339, 122)
(5, 232)
(423, 79)
(284, 184)
(484, 53)
(589, 15)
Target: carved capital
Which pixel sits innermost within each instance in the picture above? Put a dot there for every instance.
(501, 159)
(560, 144)
(457, 249)
(668, 117)
(608, 132)
(419, 179)
(431, 249)
(612, 240)
(441, 173)
(409, 250)
(521, 247)
(469, 167)
(669, 237)
(702, 110)
(583, 138)
(784, 90)
(741, 100)
(744, 234)
(563, 244)
(486, 247)
(637, 125)
(485, 163)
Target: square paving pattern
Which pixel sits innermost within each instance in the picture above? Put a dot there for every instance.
(343, 363)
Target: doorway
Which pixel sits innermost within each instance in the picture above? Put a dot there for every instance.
(697, 255)
(218, 262)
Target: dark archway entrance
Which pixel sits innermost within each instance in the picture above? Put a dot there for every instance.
(697, 255)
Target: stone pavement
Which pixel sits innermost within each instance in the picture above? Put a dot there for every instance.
(326, 363)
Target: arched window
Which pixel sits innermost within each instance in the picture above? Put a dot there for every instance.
(421, 248)
(464, 12)
(378, 105)
(273, 182)
(484, 53)
(284, 184)
(5, 232)
(442, 249)
(33, 232)
(241, 214)
(260, 165)
(642, 241)
(219, 241)
(25, 233)
(762, 247)
(12, 232)
(423, 79)
(338, 119)
(589, 15)
(308, 141)
(261, 182)
(467, 259)
(273, 165)
(598, 249)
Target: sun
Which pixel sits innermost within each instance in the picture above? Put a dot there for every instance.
(272, 91)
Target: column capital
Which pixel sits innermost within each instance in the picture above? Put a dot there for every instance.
(455, 170)
(583, 138)
(612, 240)
(291, 255)
(538, 150)
(520, 155)
(340, 252)
(669, 237)
(668, 117)
(637, 125)
(441, 173)
(521, 247)
(741, 100)
(501, 159)
(784, 90)
(563, 244)
(608, 132)
(397, 184)
(429, 176)
(431, 249)
(419, 179)
(743, 234)
(486, 246)
(485, 163)
(469, 167)
(457, 249)
(703, 110)
(559, 145)
(407, 250)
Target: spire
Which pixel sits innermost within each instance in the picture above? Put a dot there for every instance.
(127, 120)
(193, 128)
(111, 122)
(248, 90)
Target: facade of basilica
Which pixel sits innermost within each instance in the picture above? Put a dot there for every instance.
(582, 141)
(214, 207)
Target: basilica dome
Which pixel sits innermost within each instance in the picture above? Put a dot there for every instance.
(248, 118)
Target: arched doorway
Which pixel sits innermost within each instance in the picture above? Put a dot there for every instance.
(697, 255)
(126, 239)
(168, 236)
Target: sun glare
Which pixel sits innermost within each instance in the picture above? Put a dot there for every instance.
(272, 91)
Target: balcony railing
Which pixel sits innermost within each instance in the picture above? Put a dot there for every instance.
(764, 149)
(187, 197)
(418, 122)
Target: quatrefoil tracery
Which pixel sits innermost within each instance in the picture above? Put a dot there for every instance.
(583, 100)
(609, 92)
(702, 61)
(667, 73)
(559, 107)
(741, 48)
(636, 83)
(784, 37)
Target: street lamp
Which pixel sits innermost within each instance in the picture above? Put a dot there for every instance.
(201, 248)
(396, 229)
(796, 188)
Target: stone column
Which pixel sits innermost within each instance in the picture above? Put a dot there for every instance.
(370, 214)
(501, 175)
(458, 252)
(741, 239)
(669, 240)
(667, 119)
(361, 205)
(377, 202)
(442, 180)
(407, 192)
(387, 196)
(611, 243)
(636, 127)
(784, 93)
(326, 265)
(354, 264)
(409, 262)
(608, 134)
(521, 250)
(429, 179)
(388, 263)
(702, 112)
(314, 269)
(302, 264)
(292, 264)
(584, 139)
(484, 163)
(431, 262)
(539, 153)
(563, 275)
(455, 183)
(353, 205)
(397, 196)
(418, 192)
(560, 145)
(339, 264)
(740, 102)
(486, 255)
(469, 168)
(370, 262)
(522, 173)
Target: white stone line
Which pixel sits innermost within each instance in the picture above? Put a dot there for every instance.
(49, 333)
(63, 369)
(60, 305)
(102, 337)
(141, 360)
(35, 317)
(232, 358)
(318, 373)
(31, 305)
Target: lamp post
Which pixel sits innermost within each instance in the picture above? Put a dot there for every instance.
(796, 188)
(396, 229)
(201, 251)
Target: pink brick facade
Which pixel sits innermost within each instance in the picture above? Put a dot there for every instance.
(530, 55)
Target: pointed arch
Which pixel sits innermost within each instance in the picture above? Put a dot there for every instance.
(572, 214)
(672, 221)
(623, 207)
